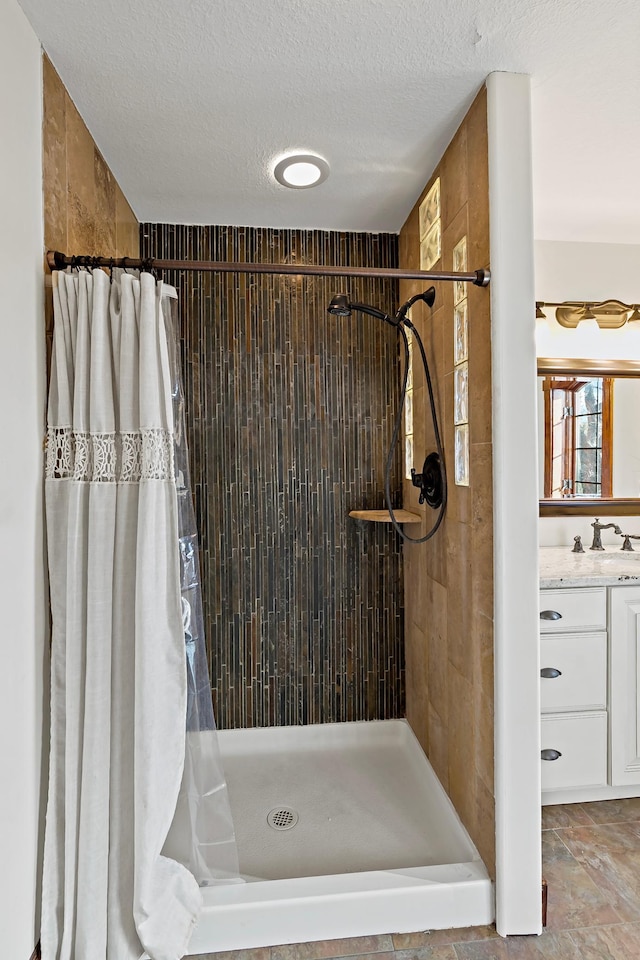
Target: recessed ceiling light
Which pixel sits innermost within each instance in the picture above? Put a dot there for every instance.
(301, 170)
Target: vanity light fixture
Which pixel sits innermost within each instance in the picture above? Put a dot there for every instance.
(301, 170)
(608, 314)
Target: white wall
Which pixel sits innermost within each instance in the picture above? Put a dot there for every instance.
(515, 498)
(587, 271)
(22, 609)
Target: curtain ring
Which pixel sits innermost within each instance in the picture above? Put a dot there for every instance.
(148, 267)
(111, 270)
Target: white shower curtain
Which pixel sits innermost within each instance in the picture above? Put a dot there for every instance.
(118, 646)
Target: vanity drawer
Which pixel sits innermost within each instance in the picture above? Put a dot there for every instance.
(584, 608)
(581, 659)
(581, 739)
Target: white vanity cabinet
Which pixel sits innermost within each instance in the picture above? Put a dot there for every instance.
(590, 691)
(573, 688)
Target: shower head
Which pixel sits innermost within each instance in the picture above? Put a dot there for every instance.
(340, 306)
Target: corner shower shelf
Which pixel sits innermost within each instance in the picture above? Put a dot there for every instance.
(382, 516)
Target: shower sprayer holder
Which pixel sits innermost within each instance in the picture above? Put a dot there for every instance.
(429, 482)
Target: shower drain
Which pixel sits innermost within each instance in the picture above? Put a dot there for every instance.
(282, 818)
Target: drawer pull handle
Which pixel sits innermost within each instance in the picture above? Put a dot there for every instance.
(550, 754)
(550, 615)
(550, 673)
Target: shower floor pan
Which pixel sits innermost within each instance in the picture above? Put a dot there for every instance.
(343, 830)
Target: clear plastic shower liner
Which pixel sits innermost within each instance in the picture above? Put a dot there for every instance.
(202, 835)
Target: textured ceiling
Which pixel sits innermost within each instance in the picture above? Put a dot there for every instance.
(192, 101)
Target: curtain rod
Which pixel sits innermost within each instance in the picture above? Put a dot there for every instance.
(59, 261)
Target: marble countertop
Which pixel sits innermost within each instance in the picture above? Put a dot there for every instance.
(559, 567)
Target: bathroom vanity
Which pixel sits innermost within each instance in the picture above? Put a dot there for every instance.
(589, 674)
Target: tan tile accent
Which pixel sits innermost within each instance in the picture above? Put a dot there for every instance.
(454, 186)
(439, 747)
(54, 159)
(462, 747)
(85, 209)
(457, 618)
(105, 206)
(483, 834)
(438, 678)
(480, 400)
(127, 228)
(461, 642)
(417, 676)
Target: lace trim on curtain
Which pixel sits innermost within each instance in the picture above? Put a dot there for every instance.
(109, 457)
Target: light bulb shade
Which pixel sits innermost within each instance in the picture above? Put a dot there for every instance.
(301, 171)
(589, 325)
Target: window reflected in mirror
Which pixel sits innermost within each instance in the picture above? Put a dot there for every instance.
(588, 430)
(578, 438)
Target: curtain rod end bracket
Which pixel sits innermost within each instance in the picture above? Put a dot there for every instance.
(56, 260)
(483, 278)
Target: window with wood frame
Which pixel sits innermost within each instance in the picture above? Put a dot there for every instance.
(578, 415)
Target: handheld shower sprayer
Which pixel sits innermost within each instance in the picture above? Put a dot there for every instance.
(432, 481)
(341, 307)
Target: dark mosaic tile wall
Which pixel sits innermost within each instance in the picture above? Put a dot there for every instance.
(290, 413)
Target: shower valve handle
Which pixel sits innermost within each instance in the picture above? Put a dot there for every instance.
(429, 482)
(416, 480)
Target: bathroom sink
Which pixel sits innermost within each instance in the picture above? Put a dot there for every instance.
(620, 556)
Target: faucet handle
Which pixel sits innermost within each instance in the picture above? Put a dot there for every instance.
(628, 537)
(577, 545)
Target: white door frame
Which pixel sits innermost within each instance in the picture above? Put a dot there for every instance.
(515, 489)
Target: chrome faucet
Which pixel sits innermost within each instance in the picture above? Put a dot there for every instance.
(628, 537)
(597, 527)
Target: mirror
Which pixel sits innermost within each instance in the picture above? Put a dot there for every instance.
(589, 437)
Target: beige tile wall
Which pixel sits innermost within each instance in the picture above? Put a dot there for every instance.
(449, 579)
(85, 211)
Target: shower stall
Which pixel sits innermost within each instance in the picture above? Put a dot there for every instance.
(342, 827)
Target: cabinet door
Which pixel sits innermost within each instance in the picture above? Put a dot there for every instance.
(624, 703)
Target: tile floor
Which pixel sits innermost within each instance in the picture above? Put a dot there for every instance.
(591, 858)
